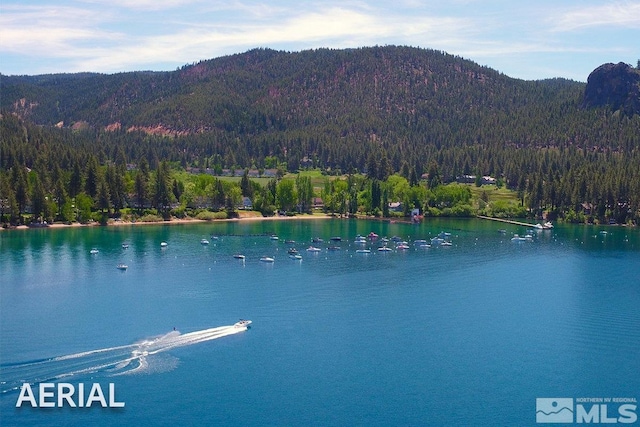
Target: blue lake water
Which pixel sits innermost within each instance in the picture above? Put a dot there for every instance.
(470, 334)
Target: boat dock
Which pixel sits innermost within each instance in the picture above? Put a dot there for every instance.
(508, 221)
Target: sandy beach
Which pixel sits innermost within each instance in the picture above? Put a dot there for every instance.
(174, 221)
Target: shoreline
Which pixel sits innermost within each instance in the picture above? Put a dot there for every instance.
(247, 218)
(175, 221)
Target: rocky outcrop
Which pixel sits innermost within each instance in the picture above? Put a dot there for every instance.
(616, 86)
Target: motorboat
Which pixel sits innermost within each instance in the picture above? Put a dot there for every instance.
(384, 249)
(372, 236)
(360, 240)
(436, 241)
(334, 248)
(164, 244)
(274, 237)
(125, 246)
(94, 251)
(547, 225)
(266, 259)
(445, 243)
(317, 240)
(402, 246)
(313, 249)
(336, 239)
(516, 238)
(363, 251)
(422, 244)
(204, 242)
(242, 324)
(122, 266)
(295, 256)
(239, 256)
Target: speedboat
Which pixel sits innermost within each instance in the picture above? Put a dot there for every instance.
(242, 323)
(204, 241)
(266, 259)
(239, 256)
(94, 251)
(122, 266)
(436, 241)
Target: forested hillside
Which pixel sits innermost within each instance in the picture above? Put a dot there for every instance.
(377, 111)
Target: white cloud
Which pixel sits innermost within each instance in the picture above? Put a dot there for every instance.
(626, 15)
(50, 31)
(121, 35)
(145, 5)
(336, 27)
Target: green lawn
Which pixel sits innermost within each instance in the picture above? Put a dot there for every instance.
(262, 181)
(494, 193)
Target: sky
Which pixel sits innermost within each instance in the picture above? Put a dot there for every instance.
(523, 39)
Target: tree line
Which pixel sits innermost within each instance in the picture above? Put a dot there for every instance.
(59, 175)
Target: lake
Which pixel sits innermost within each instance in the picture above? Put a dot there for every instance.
(476, 333)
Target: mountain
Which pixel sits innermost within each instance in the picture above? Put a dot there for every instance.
(616, 86)
(377, 110)
(265, 90)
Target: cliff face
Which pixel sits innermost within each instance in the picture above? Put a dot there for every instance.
(614, 85)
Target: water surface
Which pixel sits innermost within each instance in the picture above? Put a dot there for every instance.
(469, 334)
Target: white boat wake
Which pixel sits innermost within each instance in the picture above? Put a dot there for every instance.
(140, 357)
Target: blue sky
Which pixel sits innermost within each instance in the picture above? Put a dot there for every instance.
(524, 39)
